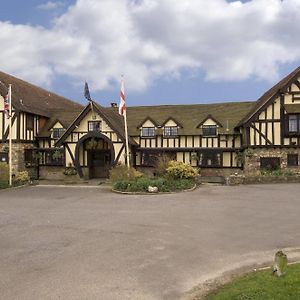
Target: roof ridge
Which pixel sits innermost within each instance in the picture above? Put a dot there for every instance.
(192, 104)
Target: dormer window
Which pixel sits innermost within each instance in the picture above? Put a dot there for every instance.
(209, 126)
(209, 130)
(58, 133)
(148, 132)
(94, 125)
(170, 131)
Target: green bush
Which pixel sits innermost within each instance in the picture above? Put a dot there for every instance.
(161, 165)
(70, 171)
(278, 173)
(122, 173)
(163, 184)
(4, 184)
(21, 177)
(4, 172)
(180, 170)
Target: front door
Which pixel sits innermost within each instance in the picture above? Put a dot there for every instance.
(99, 163)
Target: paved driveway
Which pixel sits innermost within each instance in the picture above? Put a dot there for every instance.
(87, 243)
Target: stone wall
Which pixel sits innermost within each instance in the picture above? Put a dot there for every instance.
(18, 163)
(220, 171)
(51, 172)
(252, 162)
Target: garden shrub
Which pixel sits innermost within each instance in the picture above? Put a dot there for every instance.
(4, 172)
(179, 170)
(21, 177)
(4, 184)
(70, 171)
(163, 184)
(278, 173)
(161, 165)
(121, 172)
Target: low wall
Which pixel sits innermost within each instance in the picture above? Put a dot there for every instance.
(253, 179)
(252, 162)
(51, 173)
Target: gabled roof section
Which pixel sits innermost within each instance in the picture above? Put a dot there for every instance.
(271, 94)
(66, 118)
(112, 118)
(292, 108)
(229, 113)
(33, 99)
(145, 120)
(171, 119)
(209, 117)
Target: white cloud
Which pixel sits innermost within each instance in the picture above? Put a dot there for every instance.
(149, 39)
(51, 5)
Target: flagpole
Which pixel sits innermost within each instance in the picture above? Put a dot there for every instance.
(10, 136)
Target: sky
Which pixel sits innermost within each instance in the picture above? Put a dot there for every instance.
(169, 51)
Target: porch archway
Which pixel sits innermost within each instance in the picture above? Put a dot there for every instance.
(90, 135)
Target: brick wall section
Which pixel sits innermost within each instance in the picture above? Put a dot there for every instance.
(252, 163)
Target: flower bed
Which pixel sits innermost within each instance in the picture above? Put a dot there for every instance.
(163, 184)
(176, 177)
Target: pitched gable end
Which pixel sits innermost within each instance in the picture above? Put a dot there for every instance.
(267, 98)
(145, 121)
(209, 117)
(171, 119)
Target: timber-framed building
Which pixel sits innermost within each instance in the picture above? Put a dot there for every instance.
(50, 132)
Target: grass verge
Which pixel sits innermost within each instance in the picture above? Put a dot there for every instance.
(3, 184)
(262, 285)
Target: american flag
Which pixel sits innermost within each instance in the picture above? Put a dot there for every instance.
(122, 106)
(6, 106)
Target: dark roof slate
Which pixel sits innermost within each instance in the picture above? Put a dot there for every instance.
(189, 116)
(33, 99)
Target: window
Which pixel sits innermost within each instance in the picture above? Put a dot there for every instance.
(270, 163)
(28, 156)
(294, 123)
(58, 133)
(54, 157)
(94, 125)
(210, 159)
(149, 159)
(210, 130)
(3, 157)
(170, 131)
(29, 122)
(152, 159)
(292, 160)
(148, 132)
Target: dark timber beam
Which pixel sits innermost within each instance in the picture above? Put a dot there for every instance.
(261, 135)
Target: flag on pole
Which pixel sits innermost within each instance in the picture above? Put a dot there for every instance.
(122, 111)
(122, 106)
(87, 92)
(6, 106)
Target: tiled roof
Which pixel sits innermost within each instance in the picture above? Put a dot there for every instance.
(189, 116)
(33, 99)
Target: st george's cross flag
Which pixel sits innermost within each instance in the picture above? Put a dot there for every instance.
(6, 106)
(122, 106)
